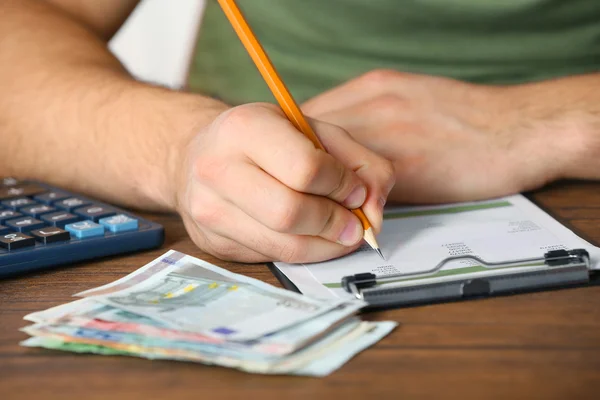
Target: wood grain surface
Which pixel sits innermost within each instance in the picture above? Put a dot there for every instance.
(543, 345)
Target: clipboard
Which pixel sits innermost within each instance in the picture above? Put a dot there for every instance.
(561, 269)
(562, 263)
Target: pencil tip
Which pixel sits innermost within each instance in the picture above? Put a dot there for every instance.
(369, 237)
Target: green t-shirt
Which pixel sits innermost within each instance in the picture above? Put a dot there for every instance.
(317, 44)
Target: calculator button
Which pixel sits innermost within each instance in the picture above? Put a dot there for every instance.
(85, 229)
(50, 235)
(16, 240)
(17, 203)
(4, 230)
(37, 210)
(60, 218)
(8, 214)
(71, 203)
(50, 197)
(20, 190)
(94, 212)
(120, 223)
(24, 224)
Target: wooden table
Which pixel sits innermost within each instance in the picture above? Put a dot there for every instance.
(542, 345)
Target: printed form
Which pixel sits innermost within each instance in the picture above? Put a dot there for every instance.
(416, 239)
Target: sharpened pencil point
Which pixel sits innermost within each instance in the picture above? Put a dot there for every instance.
(380, 254)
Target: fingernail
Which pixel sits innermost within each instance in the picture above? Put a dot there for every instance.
(351, 233)
(356, 198)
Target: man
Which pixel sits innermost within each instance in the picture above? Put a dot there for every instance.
(467, 99)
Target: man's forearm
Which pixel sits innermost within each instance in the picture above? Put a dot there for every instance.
(562, 113)
(71, 115)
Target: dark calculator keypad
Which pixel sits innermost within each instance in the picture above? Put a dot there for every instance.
(50, 197)
(70, 203)
(94, 212)
(24, 224)
(15, 204)
(42, 226)
(19, 190)
(50, 235)
(8, 214)
(16, 240)
(60, 218)
(37, 210)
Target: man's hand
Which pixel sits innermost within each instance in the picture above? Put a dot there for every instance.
(253, 188)
(453, 141)
(248, 185)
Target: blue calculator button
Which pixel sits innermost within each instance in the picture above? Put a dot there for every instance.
(24, 224)
(94, 212)
(85, 229)
(120, 223)
(71, 203)
(16, 240)
(8, 214)
(37, 210)
(51, 234)
(17, 203)
(50, 197)
(60, 218)
(4, 230)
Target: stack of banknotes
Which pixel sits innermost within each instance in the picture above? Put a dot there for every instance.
(182, 308)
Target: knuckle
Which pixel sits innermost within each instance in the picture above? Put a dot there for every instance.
(387, 105)
(380, 77)
(237, 117)
(294, 251)
(285, 215)
(400, 127)
(343, 183)
(208, 215)
(307, 169)
(224, 249)
(208, 169)
(329, 222)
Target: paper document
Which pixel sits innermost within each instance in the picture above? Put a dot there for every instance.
(416, 239)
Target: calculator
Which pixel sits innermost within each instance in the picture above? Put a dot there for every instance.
(42, 226)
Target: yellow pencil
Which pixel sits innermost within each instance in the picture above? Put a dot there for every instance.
(282, 94)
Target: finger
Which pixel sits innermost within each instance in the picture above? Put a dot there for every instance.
(284, 210)
(226, 220)
(220, 246)
(372, 123)
(273, 144)
(372, 115)
(198, 220)
(375, 171)
(363, 88)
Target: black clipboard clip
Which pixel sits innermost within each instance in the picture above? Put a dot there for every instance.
(565, 267)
